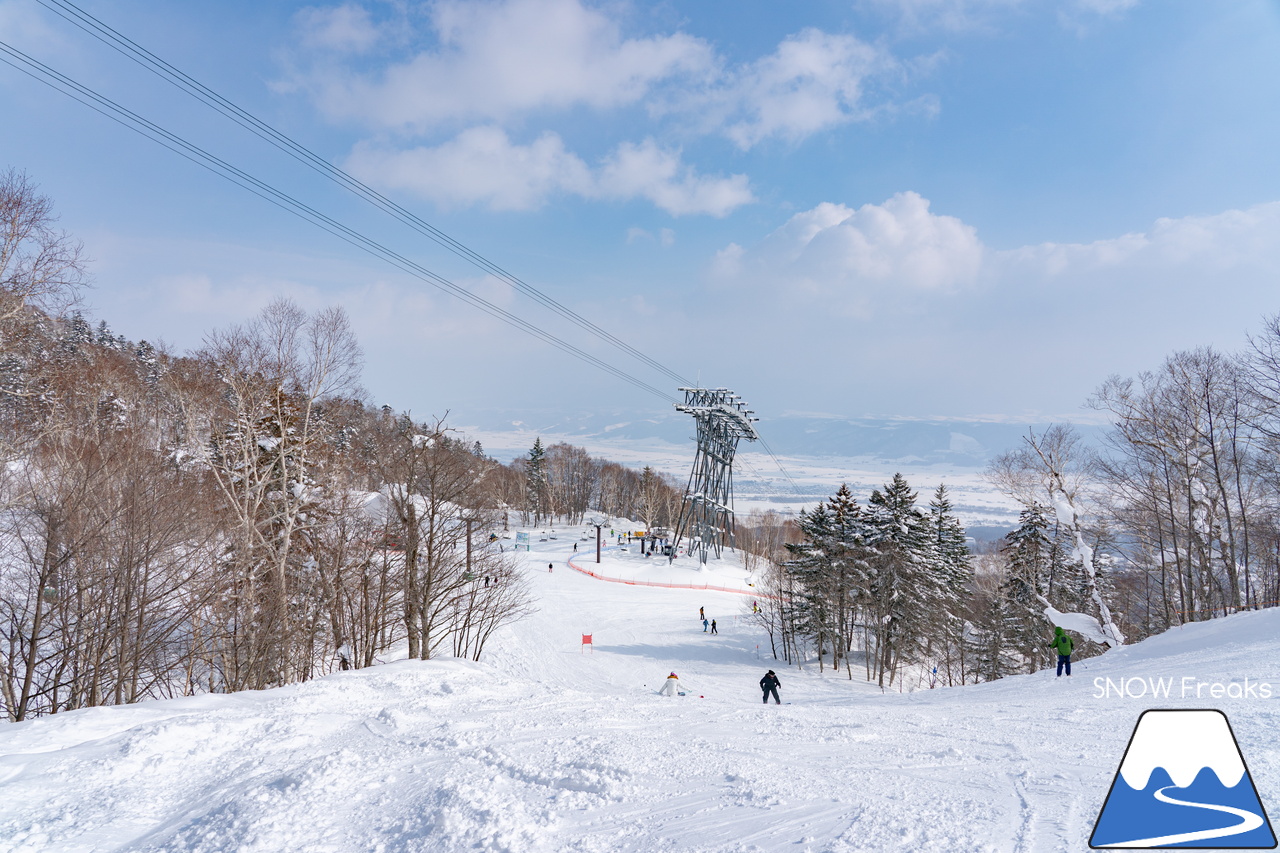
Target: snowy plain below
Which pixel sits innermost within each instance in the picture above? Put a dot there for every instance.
(542, 747)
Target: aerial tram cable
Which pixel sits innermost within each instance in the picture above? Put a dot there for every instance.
(145, 58)
(140, 55)
(776, 461)
(105, 106)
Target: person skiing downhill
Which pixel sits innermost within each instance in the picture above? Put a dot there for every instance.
(705, 625)
(713, 627)
(770, 684)
(1064, 645)
(672, 686)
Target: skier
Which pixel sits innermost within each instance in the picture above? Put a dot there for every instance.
(575, 547)
(1065, 645)
(672, 687)
(701, 613)
(550, 566)
(770, 684)
(704, 626)
(713, 627)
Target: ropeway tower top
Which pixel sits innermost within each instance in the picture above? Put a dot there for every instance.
(706, 515)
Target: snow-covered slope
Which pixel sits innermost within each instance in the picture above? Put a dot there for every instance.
(544, 748)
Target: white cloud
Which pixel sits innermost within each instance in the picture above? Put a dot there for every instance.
(857, 262)
(1222, 242)
(982, 15)
(1107, 7)
(348, 28)
(449, 90)
(500, 61)
(666, 237)
(851, 259)
(479, 166)
(22, 23)
(495, 60)
(956, 15)
(483, 166)
(813, 81)
(650, 172)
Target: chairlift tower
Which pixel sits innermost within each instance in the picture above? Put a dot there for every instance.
(706, 515)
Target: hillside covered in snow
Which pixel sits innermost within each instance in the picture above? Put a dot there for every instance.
(550, 746)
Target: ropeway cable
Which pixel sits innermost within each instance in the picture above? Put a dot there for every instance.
(145, 58)
(776, 461)
(105, 106)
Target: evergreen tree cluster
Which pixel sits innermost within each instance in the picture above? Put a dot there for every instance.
(886, 582)
(1039, 569)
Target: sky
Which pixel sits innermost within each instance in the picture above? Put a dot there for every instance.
(969, 209)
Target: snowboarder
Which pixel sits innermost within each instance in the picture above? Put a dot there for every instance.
(672, 687)
(770, 684)
(1065, 645)
(704, 626)
(713, 627)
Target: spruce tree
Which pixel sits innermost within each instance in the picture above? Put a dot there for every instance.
(1031, 552)
(809, 568)
(536, 482)
(900, 588)
(950, 570)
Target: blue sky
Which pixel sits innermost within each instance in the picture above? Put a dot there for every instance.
(928, 208)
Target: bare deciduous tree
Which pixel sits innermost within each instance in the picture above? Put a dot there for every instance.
(39, 266)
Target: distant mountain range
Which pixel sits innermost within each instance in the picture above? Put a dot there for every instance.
(819, 452)
(911, 442)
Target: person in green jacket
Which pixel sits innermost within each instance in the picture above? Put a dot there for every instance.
(1064, 644)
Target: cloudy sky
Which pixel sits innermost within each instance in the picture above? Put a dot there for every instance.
(928, 208)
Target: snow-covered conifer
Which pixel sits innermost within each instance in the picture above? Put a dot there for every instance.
(536, 491)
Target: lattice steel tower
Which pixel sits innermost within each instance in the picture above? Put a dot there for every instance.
(706, 515)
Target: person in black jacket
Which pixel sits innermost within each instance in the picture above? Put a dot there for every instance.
(770, 684)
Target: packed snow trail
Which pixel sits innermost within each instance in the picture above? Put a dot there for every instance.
(546, 746)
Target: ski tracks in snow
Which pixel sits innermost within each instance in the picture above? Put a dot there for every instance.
(544, 749)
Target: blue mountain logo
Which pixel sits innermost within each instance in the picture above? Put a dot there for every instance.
(1183, 783)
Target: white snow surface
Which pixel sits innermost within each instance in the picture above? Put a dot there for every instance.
(542, 747)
